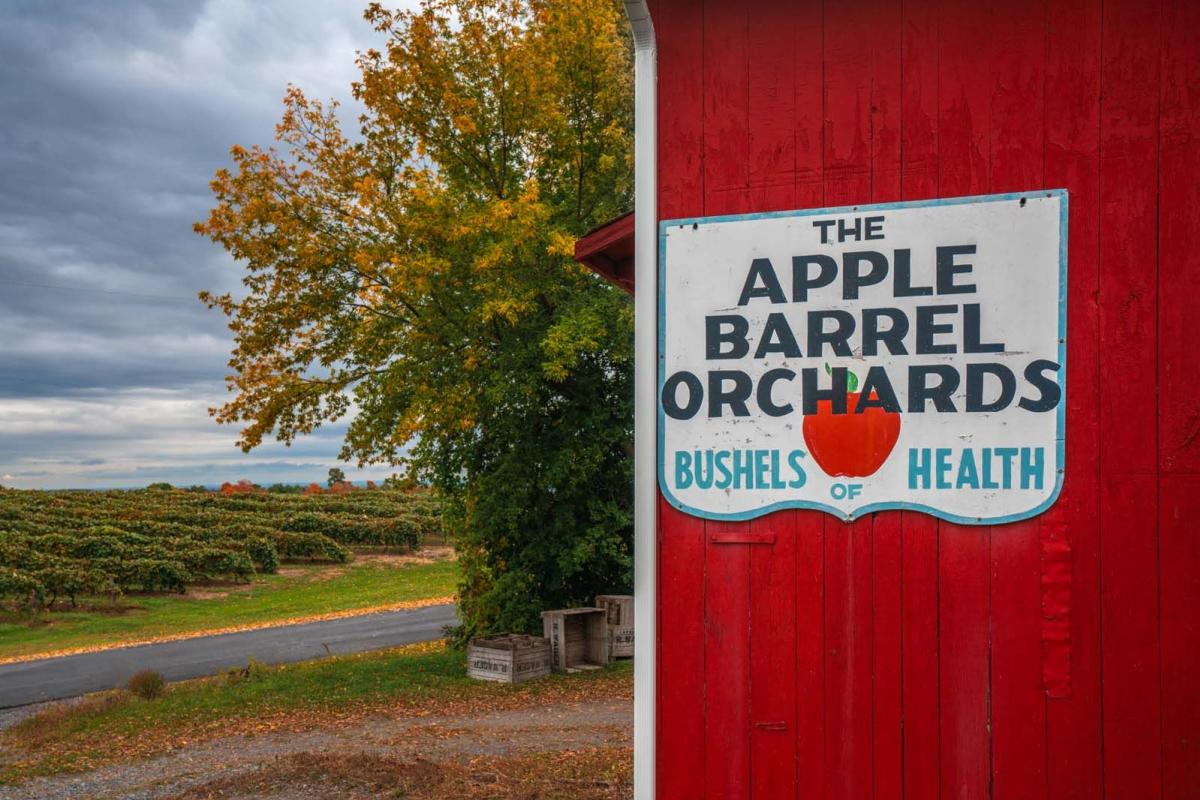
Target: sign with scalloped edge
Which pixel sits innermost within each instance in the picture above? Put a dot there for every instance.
(895, 356)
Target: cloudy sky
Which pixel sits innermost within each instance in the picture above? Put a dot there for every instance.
(113, 116)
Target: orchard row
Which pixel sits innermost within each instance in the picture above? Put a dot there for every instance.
(59, 546)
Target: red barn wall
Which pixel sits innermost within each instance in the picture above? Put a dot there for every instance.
(900, 656)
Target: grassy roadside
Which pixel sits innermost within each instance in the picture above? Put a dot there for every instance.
(297, 592)
(420, 679)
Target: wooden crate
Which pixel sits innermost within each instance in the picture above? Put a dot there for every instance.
(622, 641)
(618, 609)
(578, 638)
(508, 658)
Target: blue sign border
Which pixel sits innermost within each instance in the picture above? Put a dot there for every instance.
(1060, 439)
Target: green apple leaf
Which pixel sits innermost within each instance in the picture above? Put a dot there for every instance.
(851, 378)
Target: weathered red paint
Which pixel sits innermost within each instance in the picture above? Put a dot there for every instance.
(899, 656)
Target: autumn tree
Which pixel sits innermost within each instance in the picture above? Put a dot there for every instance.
(336, 476)
(414, 276)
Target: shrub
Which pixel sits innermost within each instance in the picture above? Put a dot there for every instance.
(398, 532)
(56, 544)
(262, 551)
(114, 532)
(215, 562)
(148, 574)
(72, 578)
(305, 523)
(147, 685)
(242, 529)
(310, 545)
(234, 564)
(20, 586)
(253, 670)
(90, 545)
(19, 555)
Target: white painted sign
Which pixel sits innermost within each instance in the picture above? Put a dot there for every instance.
(904, 355)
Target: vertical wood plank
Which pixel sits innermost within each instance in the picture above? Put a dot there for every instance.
(1129, 176)
(726, 665)
(847, 103)
(681, 680)
(886, 100)
(848, 659)
(1179, 408)
(1130, 658)
(964, 129)
(1128, 406)
(680, 110)
(886, 103)
(920, 101)
(848, 578)
(680, 736)
(727, 570)
(726, 107)
(920, 653)
(809, 55)
(810, 535)
(1018, 705)
(772, 105)
(963, 663)
(965, 84)
(886, 668)
(771, 32)
(773, 658)
(1073, 763)
(1179, 241)
(810, 655)
(1179, 512)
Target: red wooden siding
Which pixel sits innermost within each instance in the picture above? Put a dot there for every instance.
(900, 656)
(1178, 401)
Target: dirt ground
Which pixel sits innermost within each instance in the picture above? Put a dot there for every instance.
(579, 751)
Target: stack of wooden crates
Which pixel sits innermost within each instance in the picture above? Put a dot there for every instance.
(618, 610)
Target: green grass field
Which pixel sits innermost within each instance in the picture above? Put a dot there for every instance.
(298, 591)
(423, 678)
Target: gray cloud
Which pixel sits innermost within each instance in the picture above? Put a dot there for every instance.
(115, 115)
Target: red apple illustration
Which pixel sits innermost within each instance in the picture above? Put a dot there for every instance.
(851, 445)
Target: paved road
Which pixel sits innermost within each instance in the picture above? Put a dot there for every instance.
(70, 676)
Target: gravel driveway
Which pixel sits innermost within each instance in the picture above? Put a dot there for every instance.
(544, 728)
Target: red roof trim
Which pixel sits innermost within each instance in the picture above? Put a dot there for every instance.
(608, 251)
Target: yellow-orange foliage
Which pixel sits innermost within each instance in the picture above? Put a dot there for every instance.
(414, 274)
